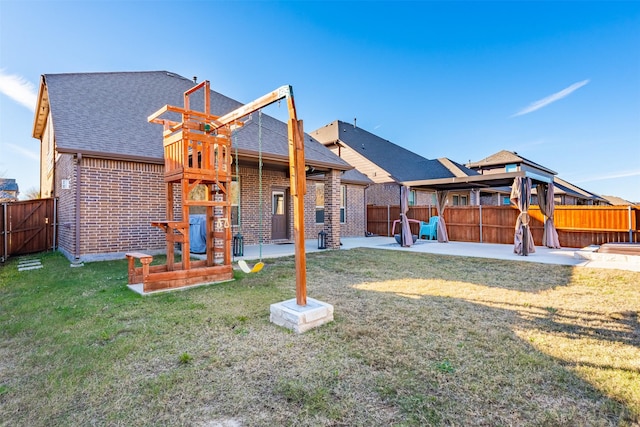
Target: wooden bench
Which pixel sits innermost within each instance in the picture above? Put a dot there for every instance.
(145, 260)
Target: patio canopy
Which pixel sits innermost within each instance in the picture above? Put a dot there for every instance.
(468, 182)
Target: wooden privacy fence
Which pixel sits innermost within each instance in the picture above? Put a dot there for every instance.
(27, 227)
(578, 226)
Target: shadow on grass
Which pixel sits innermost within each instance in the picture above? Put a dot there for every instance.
(417, 340)
(547, 305)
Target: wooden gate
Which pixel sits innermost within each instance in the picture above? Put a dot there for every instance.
(27, 227)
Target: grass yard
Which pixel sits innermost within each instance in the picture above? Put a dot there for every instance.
(418, 339)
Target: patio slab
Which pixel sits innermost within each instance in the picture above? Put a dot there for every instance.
(564, 256)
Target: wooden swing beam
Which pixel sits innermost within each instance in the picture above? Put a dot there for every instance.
(297, 173)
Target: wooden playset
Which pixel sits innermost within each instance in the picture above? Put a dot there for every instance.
(198, 152)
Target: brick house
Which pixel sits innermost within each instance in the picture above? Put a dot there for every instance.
(388, 165)
(104, 162)
(8, 190)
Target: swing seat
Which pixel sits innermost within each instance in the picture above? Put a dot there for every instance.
(245, 267)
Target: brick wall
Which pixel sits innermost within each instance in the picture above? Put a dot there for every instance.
(332, 208)
(251, 225)
(383, 194)
(355, 224)
(65, 169)
(389, 194)
(119, 199)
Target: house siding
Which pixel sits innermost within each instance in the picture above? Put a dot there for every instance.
(47, 153)
(362, 164)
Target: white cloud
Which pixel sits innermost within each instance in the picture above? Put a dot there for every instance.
(551, 98)
(19, 89)
(615, 175)
(25, 152)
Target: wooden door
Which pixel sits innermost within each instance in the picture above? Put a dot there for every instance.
(27, 227)
(279, 229)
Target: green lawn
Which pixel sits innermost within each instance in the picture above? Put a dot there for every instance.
(418, 339)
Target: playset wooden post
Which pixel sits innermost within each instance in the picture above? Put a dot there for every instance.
(197, 151)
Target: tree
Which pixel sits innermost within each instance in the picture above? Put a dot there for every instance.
(32, 193)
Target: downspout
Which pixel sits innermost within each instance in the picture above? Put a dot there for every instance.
(55, 224)
(480, 210)
(78, 180)
(366, 211)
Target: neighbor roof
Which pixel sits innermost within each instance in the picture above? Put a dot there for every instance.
(8, 184)
(576, 191)
(618, 201)
(400, 163)
(105, 114)
(505, 157)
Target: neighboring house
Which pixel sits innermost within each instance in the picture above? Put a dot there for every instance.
(388, 165)
(104, 162)
(567, 193)
(509, 161)
(618, 201)
(8, 190)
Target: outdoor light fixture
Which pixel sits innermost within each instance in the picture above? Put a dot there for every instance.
(322, 240)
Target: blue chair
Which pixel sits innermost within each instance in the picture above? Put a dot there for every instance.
(430, 229)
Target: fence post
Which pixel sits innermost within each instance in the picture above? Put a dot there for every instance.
(55, 224)
(480, 209)
(388, 219)
(4, 233)
(630, 225)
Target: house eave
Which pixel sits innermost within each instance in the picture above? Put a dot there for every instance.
(111, 156)
(42, 111)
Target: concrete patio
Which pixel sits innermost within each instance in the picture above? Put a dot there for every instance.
(564, 256)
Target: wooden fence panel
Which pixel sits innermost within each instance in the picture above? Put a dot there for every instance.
(27, 227)
(463, 223)
(578, 226)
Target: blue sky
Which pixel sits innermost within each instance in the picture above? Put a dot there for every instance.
(557, 82)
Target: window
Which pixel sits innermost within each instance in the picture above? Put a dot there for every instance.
(460, 200)
(511, 167)
(506, 200)
(412, 197)
(343, 204)
(278, 203)
(319, 203)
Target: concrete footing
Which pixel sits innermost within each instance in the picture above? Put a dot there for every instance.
(301, 318)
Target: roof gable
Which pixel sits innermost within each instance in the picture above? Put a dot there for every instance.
(8, 184)
(503, 158)
(107, 113)
(400, 163)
